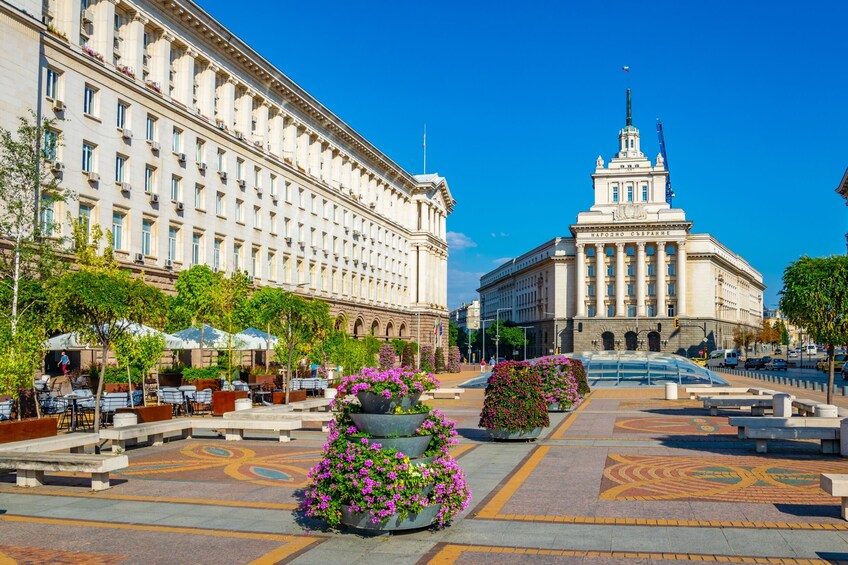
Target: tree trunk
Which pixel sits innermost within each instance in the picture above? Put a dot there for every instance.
(267, 347)
(16, 285)
(830, 359)
(129, 386)
(103, 353)
(202, 328)
(288, 374)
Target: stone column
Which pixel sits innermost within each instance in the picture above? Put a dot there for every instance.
(289, 138)
(600, 282)
(133, 56)
(67, 21)
(276, 134)
(661, 270)
(227, 102)
(160, 61)
(103, 38)
(640, 278)
(244, 112)
(206, 90)
(620, 310)
(261, 133)
(580, 281)
(184, 78)
(681, 278)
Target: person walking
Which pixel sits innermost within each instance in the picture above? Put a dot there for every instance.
(64, 362)
(482, 365)
(492, 363)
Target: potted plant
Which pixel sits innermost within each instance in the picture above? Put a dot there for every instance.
(514, 407)
(366, 482)
(559, 382)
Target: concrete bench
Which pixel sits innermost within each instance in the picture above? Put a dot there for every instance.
(758, 404)
(829, 437)
(281, 415)
(31, 466)
(311, 405)
(455, 392)
(154, 431)
(745, 422)
(695, 391)
(75, 443)
(836, 485)
(234, 429)
(763, 391)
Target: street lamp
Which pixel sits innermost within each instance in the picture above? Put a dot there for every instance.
(556, 331)
(498, 331)
(483, 349)
(525, 328)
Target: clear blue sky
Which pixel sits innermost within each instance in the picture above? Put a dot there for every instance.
(519, 100)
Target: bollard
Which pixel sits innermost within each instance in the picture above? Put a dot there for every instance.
(671, 391)
(843, 437)
(782, 405)
(826, 411)
(805, 384)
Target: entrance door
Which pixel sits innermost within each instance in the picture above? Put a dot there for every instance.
(653, 341)
(609, 341)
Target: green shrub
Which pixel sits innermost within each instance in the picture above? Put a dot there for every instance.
(193, 374)
(118, 375)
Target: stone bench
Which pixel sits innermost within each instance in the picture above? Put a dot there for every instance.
(745, 422)
(281, 415)
(311, 405)
(455, 392)
(807, 407)
(234, 429)
(829, 437)
(31, 466)
(695, 391)
(758, 404)
(154, 431)
(75, 443)
(836, 485)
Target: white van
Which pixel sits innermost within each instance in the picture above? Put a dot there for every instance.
(811, 349)
(723, 358)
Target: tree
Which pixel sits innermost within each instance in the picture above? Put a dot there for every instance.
(304, 324)
(511, 336)
(453, 333)
(100, 306)
(139, 351)
(228, 298)
(265, 310)
(195, 298)
(815, 296)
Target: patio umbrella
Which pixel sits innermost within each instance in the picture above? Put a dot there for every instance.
(73, 340)
(257, 339)
(213, 338)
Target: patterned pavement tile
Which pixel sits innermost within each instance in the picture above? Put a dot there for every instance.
(675, 425)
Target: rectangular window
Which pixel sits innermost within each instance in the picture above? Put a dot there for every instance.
(671, 269)
(273, 185)
(176, 188)
(644, 193)
(670, 310)
(89, 100)
(122, 120)
(239, 211)
(120, 166)
(146, 236)
(219, 204)
(272, 223)
(236, 257)
(610, 290)
(670, 289)
(149, 179)
(172, 243)
(47, 215)
(220, 160)
(117, 230)
(610, 310)
(652, 289)
(652, 310)
(630, 193)
(257, 177)
(196, 244)
(216, 255)
(177, 141)
(631, 290)
(610, 270)
(200, 151)
(198, 196)
(51, 88)
(651, 270)
(615, 193)
(631, 310)
(239, 169)
(590, 289)
(630, 270)
(84, 218)
(590, 310)
(254, 263)
(150, 128)
(590, 270)
(257, 217)
(272, 266)
(87, 157)
(51, 142)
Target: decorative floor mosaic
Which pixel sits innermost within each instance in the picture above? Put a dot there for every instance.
(675, 425)
(659, 404)
(212, 462)
(719, 479)
(33, 555)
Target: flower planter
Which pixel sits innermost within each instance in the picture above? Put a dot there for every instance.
(514, 435)
(423, 460)
(364, 520)
(147, 414)
(225, 401)
(278, 397)
(412, 447)
(295, 396)
(378, 404)
(557, 407)
(32, 428)
(388, 425)
(261, 379)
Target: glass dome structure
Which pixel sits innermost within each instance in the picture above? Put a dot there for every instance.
(643, 368)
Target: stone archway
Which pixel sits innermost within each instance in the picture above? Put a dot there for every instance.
(653, 341)
(359, 328)
(630, 341)
(608, 339)
(375, 328)
(390, 330)
(340, 324)
(402, 331)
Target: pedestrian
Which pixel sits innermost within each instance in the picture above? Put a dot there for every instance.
(492, 363)
(64, 362)
(482, 365)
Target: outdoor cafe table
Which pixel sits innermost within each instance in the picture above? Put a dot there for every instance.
(73, 398)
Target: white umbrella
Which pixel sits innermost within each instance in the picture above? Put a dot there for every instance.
(257, 339)
(70, 340)
(213, 338)
(171, 341)
(73, 340)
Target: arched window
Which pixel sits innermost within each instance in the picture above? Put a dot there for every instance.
(609, 341)
(653, 341)
(630, 341)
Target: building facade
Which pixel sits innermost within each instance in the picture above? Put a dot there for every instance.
(191, 149)
(467, 316)
(629, 270)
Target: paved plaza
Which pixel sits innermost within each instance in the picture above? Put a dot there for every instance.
(627, 478)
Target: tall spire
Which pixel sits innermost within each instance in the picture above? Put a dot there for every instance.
(629, 112)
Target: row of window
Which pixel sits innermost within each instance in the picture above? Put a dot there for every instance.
(671, 269)
(651, 310)
(630, 193)
(631, 289)
(629, 250)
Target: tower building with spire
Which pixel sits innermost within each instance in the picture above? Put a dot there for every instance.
(630, 271)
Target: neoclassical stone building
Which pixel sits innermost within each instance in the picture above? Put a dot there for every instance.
(629, 270)
(191, 148)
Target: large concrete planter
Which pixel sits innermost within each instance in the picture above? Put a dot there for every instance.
(515, 435)
(32, 428)
(388, 425)
(377, 404)
(363, 520)
(412, 447)
(123, 419)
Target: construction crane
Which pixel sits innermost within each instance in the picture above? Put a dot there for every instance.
(669, 194)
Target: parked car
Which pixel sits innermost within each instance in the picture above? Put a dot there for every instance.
(844, 372)
(754, 363)
(793, 354)
(778, 351)
(776, 365)
(838, 363)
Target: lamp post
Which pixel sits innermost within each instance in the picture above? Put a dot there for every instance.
(483, 349)
(418, 342)
(556, 331)
(525, 328)
(498, 331)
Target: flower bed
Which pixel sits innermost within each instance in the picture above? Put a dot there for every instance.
(514, 400)
(363, 485)
(560, 381)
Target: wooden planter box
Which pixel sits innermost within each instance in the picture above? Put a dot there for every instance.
(170, 379)
(278, 398)
(225, 401)
(118, 387)
(32, 428)
(148, 414)
(261, 379)
(203, 384)
(295, 396)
